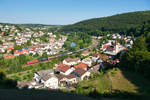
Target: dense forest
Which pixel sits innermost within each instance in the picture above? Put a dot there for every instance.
(126, 23)
(138, 58)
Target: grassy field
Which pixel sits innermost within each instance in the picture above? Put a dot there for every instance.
(120, 82)
(116, 84)
(101, 83)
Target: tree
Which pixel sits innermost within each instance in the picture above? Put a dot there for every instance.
(31, 54)
(94, 50)
(2, 75)
(140, 44)
(1, 42)
(44, 55)
(16, 47)
(36, 55)
(148, 41)
(29, 43)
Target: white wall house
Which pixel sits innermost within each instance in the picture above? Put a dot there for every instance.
(86, 74)
(95, 58)
(69, 79)
(81, 74)
(66, 71)
(71, 61)
(47, 78)
(87, 61)
(52, 82)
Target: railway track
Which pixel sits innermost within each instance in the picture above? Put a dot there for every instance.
(95, 43)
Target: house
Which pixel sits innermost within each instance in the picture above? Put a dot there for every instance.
(87, 61)
(66, 70)
(20, 51)
(47, 78)
(81, 74)
(60, 64)
(95, 68)
(81, 65)
(2, 49)
(9, 49)
(19, 42)
(71, 78)
(71, 61)
(8, 56)
(114, 49)
(95, 57)
(85, 53)
(65, 80)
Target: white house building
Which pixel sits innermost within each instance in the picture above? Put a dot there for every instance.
(66, 70)
(87, 61)
(81, 74)
(71, 61)
(47, 78)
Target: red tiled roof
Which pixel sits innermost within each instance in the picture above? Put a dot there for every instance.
(105, 46)
(72, 59)
(85, 52)
(64, 69)
(9, 56)
(81, 65)
(21, 52)
(70, 76)
(10, 48)
(79, 71)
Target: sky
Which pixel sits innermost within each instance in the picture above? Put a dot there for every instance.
(63, 12)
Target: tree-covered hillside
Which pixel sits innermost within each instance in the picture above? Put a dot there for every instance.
(116, 23)
(138, 58)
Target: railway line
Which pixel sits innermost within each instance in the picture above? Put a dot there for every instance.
(95, 43)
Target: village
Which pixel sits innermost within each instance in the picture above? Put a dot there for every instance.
(71, 70)
(36, 43)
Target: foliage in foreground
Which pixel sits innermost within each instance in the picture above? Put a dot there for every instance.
(137, 59)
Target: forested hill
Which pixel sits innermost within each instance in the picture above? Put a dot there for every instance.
(115, 23)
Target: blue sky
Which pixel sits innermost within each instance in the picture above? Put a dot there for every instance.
(65, 11)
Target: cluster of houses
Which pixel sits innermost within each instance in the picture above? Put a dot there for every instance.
(15, 37)
(51, 48)
(113, 47)
(66, 73)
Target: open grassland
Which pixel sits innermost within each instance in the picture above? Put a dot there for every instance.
(116, 84)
